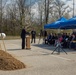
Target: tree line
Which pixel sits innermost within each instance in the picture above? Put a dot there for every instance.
(16, 14)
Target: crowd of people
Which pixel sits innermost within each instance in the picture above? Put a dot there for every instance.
(67, 40)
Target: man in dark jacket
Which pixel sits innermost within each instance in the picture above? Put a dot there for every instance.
(33, 35)
(23, 36)
(44, 35)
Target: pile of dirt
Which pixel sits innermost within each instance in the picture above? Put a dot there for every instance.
(8, 62)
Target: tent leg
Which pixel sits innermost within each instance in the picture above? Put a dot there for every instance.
(58, 30)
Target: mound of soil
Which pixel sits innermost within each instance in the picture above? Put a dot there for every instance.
(8, 62)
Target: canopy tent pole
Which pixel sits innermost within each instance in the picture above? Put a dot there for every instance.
(58, 30)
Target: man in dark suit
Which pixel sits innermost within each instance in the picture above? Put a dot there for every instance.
(44, 35)
(33, 35)
(23, 36)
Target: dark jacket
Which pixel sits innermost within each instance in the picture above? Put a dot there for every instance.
(23, 33)
(33, 33)
(44, 33)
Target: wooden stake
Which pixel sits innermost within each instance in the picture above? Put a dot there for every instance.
(3, 43)
(0, 47)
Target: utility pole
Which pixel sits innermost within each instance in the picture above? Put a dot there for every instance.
(73, 7)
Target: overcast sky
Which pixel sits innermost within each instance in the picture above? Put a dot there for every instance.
(68, 2)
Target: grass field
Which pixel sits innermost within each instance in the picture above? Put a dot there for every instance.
(11, 37)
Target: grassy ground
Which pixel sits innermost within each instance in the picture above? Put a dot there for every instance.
(12, 37)
(15, 37)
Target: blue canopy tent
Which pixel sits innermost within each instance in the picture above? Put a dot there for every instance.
(69, 24)
(55, 25)
(69, 27)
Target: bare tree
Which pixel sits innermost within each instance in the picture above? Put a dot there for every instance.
(22, 6)
(47, 3)
(0, 14)
(40, 10)
(2, 6)
(16, 14)
(59, 8)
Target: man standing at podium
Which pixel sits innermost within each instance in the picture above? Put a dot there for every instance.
(23, 36)
(33, 35)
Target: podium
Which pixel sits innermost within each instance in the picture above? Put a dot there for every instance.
(28, 42)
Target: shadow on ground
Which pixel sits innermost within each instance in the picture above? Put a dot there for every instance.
(51, 48)
(13, 49)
